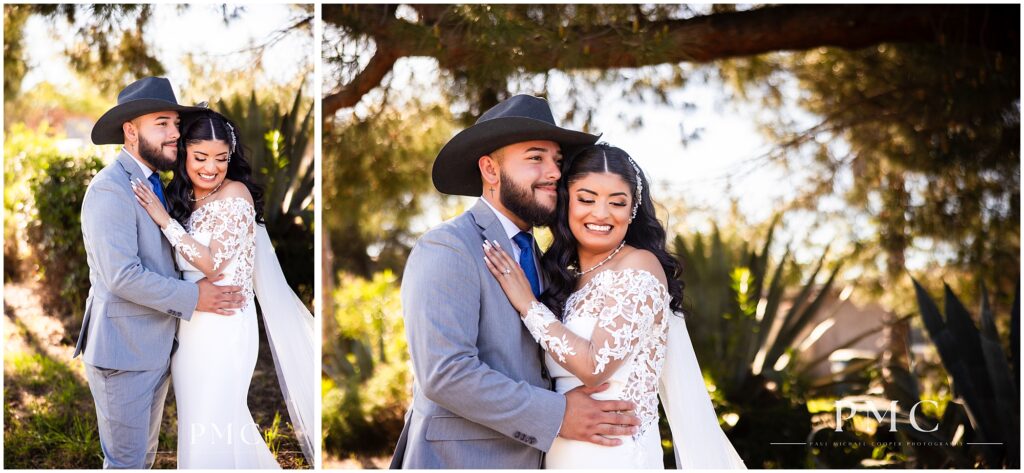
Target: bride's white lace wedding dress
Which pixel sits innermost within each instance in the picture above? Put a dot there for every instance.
(216, 356)
(618, 328)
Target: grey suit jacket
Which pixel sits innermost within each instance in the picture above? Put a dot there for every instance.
(481, 398)
(137, 295)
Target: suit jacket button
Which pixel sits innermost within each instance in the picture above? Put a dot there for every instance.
(533, 440)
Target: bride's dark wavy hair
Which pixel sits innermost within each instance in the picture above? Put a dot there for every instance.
(644, 232)
(205, 126)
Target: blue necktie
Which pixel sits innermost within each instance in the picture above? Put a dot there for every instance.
(525, 242)
(158, 188)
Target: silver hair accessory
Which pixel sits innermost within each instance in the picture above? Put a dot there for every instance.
(234, 142)
(639, 188)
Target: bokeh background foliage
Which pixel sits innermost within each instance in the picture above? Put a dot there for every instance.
(49, 161)
(897, 144)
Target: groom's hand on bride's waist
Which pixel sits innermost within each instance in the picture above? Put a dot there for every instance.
(590, 420)
(216, 299)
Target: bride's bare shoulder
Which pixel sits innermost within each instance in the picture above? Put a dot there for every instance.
(236, 189)
(644, 260)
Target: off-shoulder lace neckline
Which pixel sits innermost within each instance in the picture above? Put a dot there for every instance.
(225, 199)
(601, 274)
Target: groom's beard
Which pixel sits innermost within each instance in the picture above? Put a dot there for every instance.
(522, 202)
(153, 154)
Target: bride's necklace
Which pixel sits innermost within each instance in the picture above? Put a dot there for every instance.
(580, 274)
(207, 196)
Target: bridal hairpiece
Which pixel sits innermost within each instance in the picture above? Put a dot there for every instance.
(639, 187)
(234, 141)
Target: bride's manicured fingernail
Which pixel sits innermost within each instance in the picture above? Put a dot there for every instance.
(497, 244)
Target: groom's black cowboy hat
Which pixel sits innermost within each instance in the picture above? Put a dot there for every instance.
(144, 96)
(518, 119)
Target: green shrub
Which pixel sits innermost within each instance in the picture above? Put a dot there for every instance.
(364, 403)
(24, 151)
(56, 235)
(43, 192)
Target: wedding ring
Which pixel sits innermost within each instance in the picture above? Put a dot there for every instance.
(508, 270)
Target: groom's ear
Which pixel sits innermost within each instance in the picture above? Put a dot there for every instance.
(489, 170)
(131, 133)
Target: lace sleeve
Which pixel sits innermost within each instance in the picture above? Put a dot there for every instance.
(625, 304)
(229, 221)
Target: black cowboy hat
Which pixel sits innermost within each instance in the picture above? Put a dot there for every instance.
(518, 119)
(144, 96)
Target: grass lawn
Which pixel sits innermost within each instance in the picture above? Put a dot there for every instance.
(49, 416)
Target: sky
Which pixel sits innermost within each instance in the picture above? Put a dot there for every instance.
(171, 35)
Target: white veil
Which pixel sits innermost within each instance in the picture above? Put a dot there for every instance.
(697, 437)
(289, 327)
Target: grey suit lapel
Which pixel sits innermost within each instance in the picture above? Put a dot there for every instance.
(130, 166)
(493, 230)
(489, 224)
(134, 171)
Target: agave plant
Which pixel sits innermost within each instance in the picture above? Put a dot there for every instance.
(748, 319)
(280, 151)
(979, 427)
(735, 312)
(983, 383)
